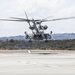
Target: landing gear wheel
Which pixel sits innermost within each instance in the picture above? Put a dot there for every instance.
(46, 40)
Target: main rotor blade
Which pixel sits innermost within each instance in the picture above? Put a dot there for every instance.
(12, 20)
(28, 19)
(46, 17)
(26, 15)
(59, 19)
(18, 18)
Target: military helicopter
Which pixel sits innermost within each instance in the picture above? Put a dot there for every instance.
(36, 27)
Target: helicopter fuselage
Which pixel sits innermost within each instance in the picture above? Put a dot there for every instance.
(38, 32)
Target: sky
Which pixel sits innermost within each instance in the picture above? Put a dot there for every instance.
(37, 9)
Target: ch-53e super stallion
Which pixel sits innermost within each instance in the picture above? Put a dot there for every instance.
(36, 27)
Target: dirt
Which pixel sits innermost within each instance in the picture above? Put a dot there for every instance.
(36, 51)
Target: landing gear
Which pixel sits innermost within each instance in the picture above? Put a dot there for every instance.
(27, 36)
(30, 41)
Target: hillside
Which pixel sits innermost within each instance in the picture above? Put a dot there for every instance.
(54, 37)
(65, 36)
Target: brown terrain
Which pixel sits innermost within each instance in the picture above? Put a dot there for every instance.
(37, 51)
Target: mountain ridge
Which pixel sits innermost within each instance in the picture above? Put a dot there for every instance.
(64, 36)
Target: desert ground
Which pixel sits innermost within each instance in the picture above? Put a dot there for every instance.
(37, 62)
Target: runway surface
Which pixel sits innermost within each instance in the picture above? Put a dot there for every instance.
(54, 63)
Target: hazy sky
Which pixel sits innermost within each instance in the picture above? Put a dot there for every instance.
(37, 9)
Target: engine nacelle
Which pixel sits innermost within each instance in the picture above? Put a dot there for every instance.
(32, 28)
(41, 27)
(45, 27)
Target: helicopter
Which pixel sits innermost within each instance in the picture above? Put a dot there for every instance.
(36, 27)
